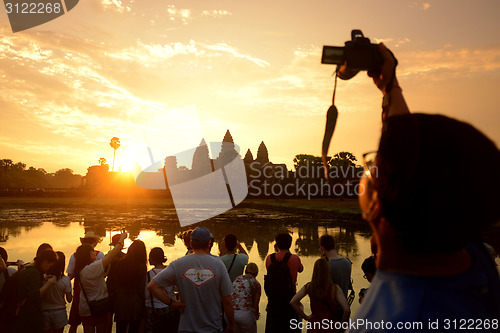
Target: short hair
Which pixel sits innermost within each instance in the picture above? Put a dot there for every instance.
(252, 268)
(368, 266)
(437, 182)
(230, 242)
(283, 241)
(157, 255)
(196, 244)
(327, 241)
(3, 254)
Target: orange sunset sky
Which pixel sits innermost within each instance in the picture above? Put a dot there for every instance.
(167, 73)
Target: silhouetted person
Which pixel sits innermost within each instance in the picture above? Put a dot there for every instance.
(30, 291)
(129, 297)
(427, 206)
(246, 297)
(279, 310)
(369, 269)
(160, 318)
(90, 273)
(54, 314)
(326, 298)
(340, 267)
(234, 262)
(204, 287)
(74, 315)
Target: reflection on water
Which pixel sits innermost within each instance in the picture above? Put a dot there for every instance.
(22, 230)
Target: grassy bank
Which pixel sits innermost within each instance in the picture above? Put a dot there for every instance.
(48, 202)
(349, 206)
(324, 205)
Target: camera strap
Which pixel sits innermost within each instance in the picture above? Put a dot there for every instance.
(331, 122)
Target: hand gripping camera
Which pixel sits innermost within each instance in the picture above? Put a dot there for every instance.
(358, 54)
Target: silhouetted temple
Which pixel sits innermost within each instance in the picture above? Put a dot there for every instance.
(176, 171)
(262, 154)
(261, 168)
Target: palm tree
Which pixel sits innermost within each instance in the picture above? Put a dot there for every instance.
(115, 144)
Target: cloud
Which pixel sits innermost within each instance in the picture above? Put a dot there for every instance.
(422, 6)
(225, 48)
(215, 13)
(65, 92)
(116, 5)
(152, 53)
(33, 147)
(148, 54)
(392, 41)
(183, 15)
(455, 61)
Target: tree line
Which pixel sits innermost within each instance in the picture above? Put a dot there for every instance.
(16, 175)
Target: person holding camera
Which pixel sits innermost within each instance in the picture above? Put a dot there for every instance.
(427, 213)
(90, 274)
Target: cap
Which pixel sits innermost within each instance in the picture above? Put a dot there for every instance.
(202, 234)
(115, 240)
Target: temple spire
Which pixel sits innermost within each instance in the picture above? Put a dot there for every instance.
(248, 157)
(262, 154)
(228, 137)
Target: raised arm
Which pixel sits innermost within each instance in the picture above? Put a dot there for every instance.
(394, 98)
(240, 247)
(111, 254)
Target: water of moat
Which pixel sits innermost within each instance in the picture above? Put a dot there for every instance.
(23, 229)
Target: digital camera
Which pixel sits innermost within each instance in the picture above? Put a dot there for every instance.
(358, 54)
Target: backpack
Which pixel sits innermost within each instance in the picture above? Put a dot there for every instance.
(278, 283)
(9, 306)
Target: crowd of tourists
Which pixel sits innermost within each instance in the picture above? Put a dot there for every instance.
(199, 292)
